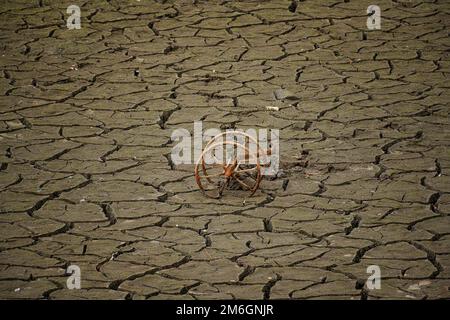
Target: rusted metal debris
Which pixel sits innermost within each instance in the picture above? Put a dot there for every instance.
(241, 173)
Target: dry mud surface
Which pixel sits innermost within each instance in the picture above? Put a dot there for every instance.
(86, 117)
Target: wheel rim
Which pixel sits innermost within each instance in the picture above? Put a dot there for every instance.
(224, 177)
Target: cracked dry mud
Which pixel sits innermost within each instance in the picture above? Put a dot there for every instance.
(86, 118)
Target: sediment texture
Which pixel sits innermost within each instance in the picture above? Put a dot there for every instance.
(86, 178)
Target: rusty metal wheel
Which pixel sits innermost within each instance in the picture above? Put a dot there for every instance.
(213, 176)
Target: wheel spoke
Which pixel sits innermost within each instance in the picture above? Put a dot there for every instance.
(223, 186)
(250, 175)
(245, 170)
(211, 175)
(242, 183)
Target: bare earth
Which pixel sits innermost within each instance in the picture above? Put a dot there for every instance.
(86, 177)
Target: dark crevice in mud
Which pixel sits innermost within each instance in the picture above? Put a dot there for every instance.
(432, 201)
(246, 253)
(8, 153)
(173, 95)
(161, 222)
(381, 169)
(293, 6)
(61, 153)
(321, 190)
(114, 285)
(364, 294)
(39, 204)
(208, 241)
(423, 182)
(436, 237)
(7, 75)
(364, 36)
(423, 113)
(151, 26)
(186, 289)
(308, 125)
(163, 197)
(91, 15)
(203, 233)
(129, 296)
(353, 225)
(109, 214)
(170, 48)
(169, 161)
(360, 253)
(359, 284)
(438, 168)
(25, 50)
(411, 225)
(74, 94)
(3, 166)
(285, 184)
(26, 123)
(247, 271)
(268, 286)
(235, 102)
(387, 213)
(58, 286)
(418, 135)
(385, 148)
(107, 154)
(298, 75)
(431, 256)
(164, 117)
(267, 225)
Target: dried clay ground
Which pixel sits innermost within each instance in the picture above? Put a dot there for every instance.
(86, 177)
